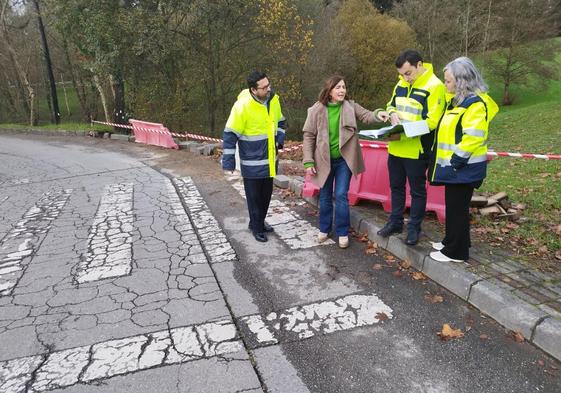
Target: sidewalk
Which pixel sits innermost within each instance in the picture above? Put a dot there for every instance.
(518, 297)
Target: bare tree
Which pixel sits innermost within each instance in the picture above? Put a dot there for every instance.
(523, 52)
(13, 56)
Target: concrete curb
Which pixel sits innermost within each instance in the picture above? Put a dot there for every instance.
(490, 298)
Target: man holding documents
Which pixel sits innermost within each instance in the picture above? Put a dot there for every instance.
(419, 95)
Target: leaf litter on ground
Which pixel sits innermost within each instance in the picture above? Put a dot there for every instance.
(449, 333)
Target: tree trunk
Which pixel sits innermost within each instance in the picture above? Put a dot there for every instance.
(78, 87)
(30, 97)
(118, 88)
(99, 88)
(65, 95)
(467, 27)
(22, 75)
(486, 34)
(55, 112)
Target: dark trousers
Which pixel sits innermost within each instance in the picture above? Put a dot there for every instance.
(457, 240)
(258, 195)
(415, 172)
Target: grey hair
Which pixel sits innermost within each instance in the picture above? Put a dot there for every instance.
(468, 79)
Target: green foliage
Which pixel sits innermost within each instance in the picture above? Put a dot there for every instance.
(369, 43)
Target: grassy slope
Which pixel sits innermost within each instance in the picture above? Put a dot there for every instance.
(531, 125)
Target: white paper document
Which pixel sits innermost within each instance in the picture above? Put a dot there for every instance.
(378, 134)
(411, 129)
(416, 128)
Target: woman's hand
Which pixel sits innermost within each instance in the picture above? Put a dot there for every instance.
(311, 171)
(383, 116)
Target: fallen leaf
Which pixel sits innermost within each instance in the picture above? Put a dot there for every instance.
(558, 229)
(517, 336)
(483, 337)
(558, 255)
(377, 266)
(448, 333)
(542, 249)
(554, 367)
(363, 237)
(397, 274)
(405, 264)
(541, 362)
(371, 248)
(418, 276)
(382, 317)
(434, 298)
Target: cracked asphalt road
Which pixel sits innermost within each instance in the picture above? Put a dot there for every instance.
(130, 268)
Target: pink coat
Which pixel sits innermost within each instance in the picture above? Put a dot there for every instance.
(316, 138)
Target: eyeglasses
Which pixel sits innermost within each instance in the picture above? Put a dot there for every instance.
(264, 87)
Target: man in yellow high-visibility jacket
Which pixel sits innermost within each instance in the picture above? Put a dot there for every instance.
(256, 125)
(418, 95)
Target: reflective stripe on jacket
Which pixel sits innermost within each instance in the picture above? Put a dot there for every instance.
(258, 129)
(423, 100)
(461, 141)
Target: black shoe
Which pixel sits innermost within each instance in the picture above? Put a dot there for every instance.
(267, 228)
(412, 236)
(260, 237)
(390, 229)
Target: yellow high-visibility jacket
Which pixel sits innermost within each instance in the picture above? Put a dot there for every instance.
(258, 129)
(461, 141)
(422, 100)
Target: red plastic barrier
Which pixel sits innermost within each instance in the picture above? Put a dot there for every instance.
(152, 134)
(310, 189)
(374, 183)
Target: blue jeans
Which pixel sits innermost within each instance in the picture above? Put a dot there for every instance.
(341, 174)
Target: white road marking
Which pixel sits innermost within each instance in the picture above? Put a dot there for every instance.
(289, 226)
(24, 239)
(90, 363)
(327, 317)
(116, 357)
(110, 240)
(211, 235)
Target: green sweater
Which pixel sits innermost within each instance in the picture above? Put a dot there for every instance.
(333, 121)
